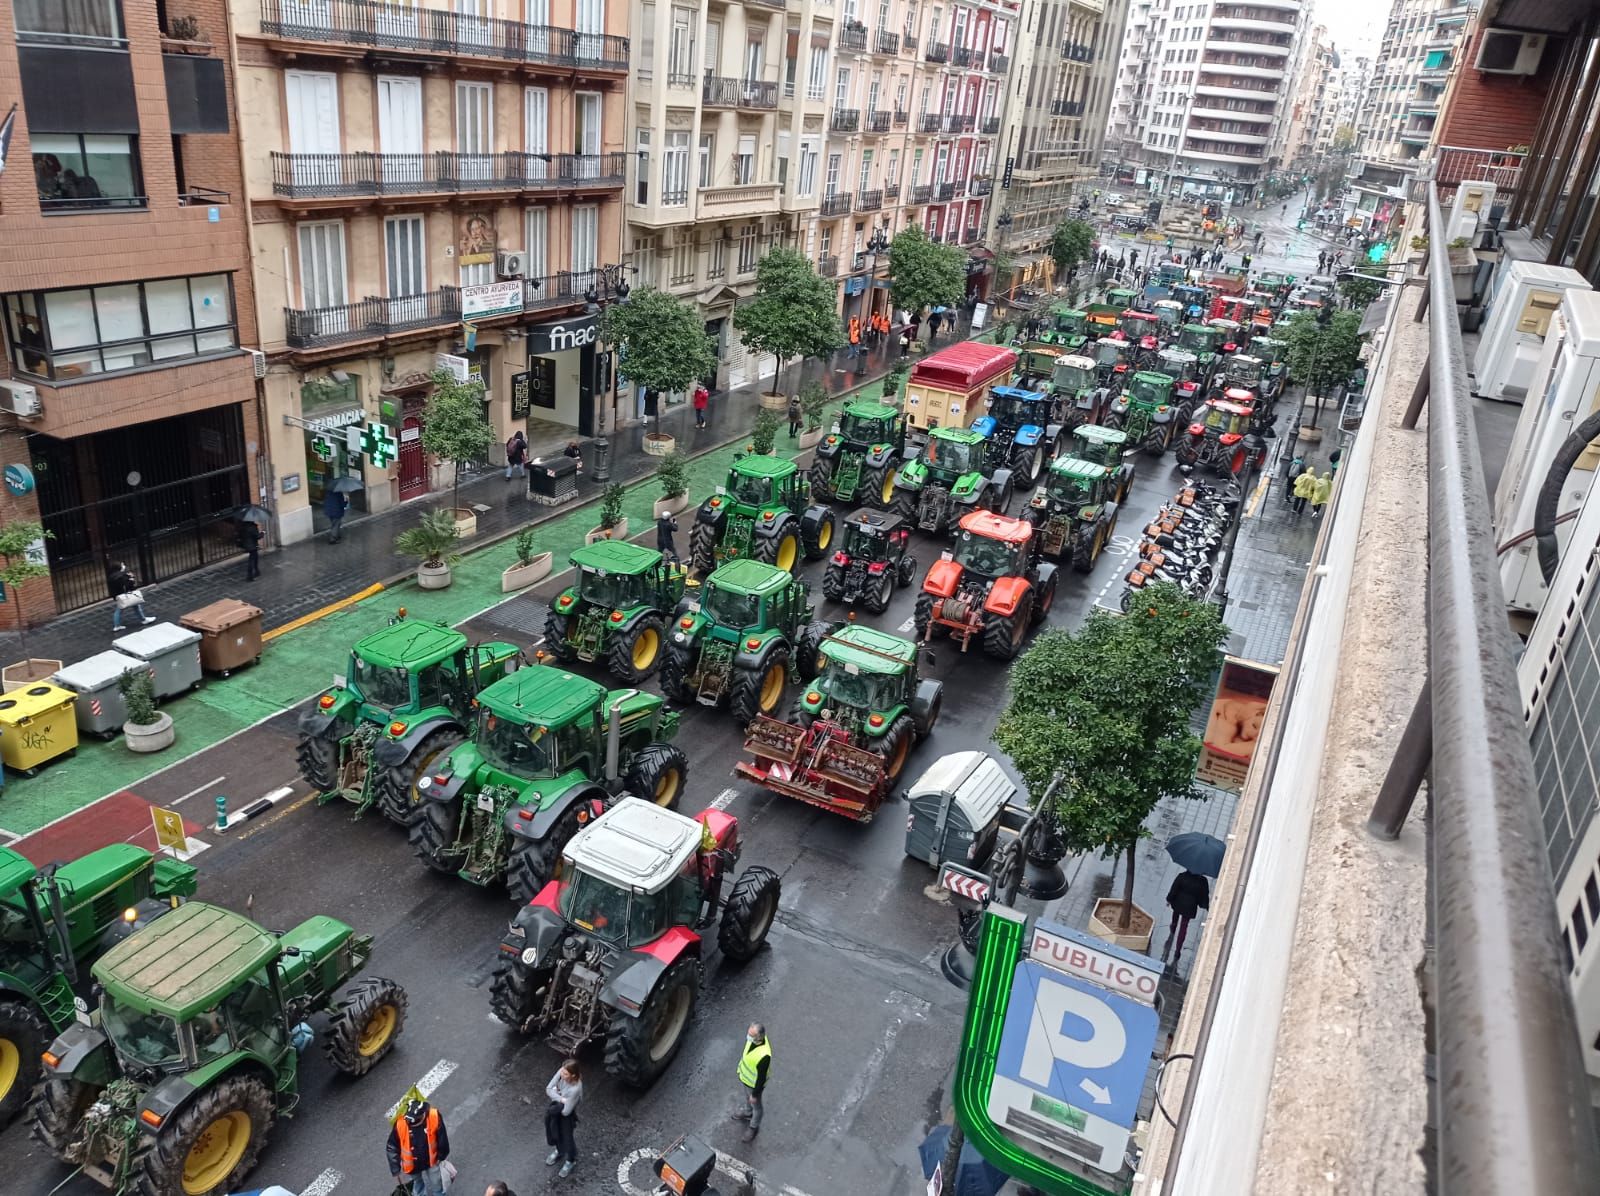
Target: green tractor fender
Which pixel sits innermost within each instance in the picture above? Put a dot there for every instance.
(629, 988)
(783, 520)
(766, 643)
(715, 516)
(550, 812)
(829, 447)
(969, 487)
(334, 720)
(168, 1098)
(392, 750)
(631, 616)
(925, 703)
(1161, 415)
(83, 1053)
(913, 475)
(448, 793)
(880, 455)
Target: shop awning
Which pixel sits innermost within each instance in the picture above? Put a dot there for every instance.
(982, 254)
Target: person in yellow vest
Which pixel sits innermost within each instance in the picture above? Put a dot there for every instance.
(1305, 486)
(1321, 492)
(755, 1065)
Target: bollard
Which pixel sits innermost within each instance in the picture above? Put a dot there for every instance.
(222, 812)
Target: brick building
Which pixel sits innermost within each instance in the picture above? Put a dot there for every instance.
(131, 427)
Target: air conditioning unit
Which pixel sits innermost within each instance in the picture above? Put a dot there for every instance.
(511, 264)
(20, 400)
(1505, 52)
(259, 360)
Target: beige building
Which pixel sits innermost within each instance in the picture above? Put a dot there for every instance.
(429, 186)
(1315, 98)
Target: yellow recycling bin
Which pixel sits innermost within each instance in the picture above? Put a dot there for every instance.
(37, 724)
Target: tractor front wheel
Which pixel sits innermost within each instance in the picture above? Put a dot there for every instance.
(817, 538)
(703, 547)
(906, 570)
(905, 505)
(1155, 440)
(397, 786)
(1085, 551)
(433, 832)
(534, 863)
(318, 758)
(213, 1141)
(1003, 634)
(749, 914)
(555, 638)
(511, 994)
(780, 548)
(833, 583)
(58, 1106)
(1044, 599)
(821, 477)
(922, 616)
(363, 1029)
(895, 746)
(24, 1034)
(634, 654)
(759, 690)
(658, 774)
(638, 1049)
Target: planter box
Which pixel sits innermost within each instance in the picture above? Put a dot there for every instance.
(433, 577)
(26, 672)
(672, 506)
(154, 738)
(810, 438)
(519, 577)
(1463, 270)
(620, 532)
(659, 444)
(773, 402)
(466, 522)
(1108, 913)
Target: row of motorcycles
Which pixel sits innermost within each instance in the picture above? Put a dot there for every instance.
(1180, 544)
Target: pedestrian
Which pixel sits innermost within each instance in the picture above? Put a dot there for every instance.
(498, 1188)
(855, 336)
(565, 1091)
(1290, 477)
(933, 327)
(572, 450)
(702, 400)
(1304, 486)
(795, 416)
(1322, 260)
(250, 541)
(1190, 893)
(1334, 458)
(755, 1067)
(905, 340)
(125, 595)
(1133, 258)
(418, 1147)
(517, 455)
(666, 525)
(334, 504)
(1245, 261)
(1320, 492)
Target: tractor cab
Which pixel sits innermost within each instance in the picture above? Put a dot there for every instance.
(1169, 314)
(764, 510)
(395, 671)
(1191, 296)
(1140, 327)
(1170, 274)
(870, 423)
(1079, 395)
(1226, 420)
(1144, 411)
(1200, 339)
(1183, 366)
(1274, 371)
(1073, 483)
(1242, 372)
(618, 575)
(1229, 307)
(1069, 321)
(1228, 332)
(745, 594)
(959, 451)
(1015, 416)
(991, 545)
(1121, 298)
(875, 537)
(1111, 360)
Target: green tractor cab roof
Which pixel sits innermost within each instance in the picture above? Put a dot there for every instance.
(410, 644)
(745, 576)
(868, 650)
(875, 523)
(1151, 378)
(862, 409)
(616, 556)
(15, 871)
(1078, 470)
(186, 961)
(1095, 434)
(544, 695)
(759, 465)
(957, 435)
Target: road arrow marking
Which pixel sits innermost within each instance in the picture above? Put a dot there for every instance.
(1100, 1096)
(724, 799)
(735, 1169)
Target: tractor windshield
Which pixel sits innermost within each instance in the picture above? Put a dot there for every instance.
(1070, 379)
(858, 691)
(1196, 340)
(379, 684)
(1137, 326)
(616, 590)
(521, 749)
(1008, 409)
(1244, 369)
(729, 608)
(594, 905)
(950, 455)
(1107, 352)
(863, 429)
(1069, 491)
(991, 558)
(1145, 391)
(863, 542)
(752, 491)
(144, 1039)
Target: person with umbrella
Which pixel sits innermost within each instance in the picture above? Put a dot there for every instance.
(336, 501)
(250, 541)
(1199, 856)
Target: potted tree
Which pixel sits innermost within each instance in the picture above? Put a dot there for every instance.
(792, 315)
(613, 523)
(531, 566)
(814, 401)
(432, 545)
(455, 429)
(662, 346)
(765, 434)
(673, 473)
(146, 729)
(1109, 706)
(22, 562)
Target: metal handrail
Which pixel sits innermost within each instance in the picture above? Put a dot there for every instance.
(1512, 1105)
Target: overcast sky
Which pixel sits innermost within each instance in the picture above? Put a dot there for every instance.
(1356, 25)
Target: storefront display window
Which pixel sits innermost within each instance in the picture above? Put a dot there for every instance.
(329, 406)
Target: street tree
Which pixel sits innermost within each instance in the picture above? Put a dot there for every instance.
(16, 566)
(792, 313)
(1323, 354)
(923, 273)
(454, 425)
(1109, 708)
(661, 342)
(1359, 292)
(1070, 244)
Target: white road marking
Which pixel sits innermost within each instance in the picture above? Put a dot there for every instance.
(735, 1169)
(724, 799)
(908, 624)
(429, 1083)
(211, 784)
(323, 1184)
(9, 836)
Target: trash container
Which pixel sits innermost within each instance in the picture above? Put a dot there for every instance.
(230, 634)
(955, 808)
(172, 653)
(553, 480)
(100, 708)
(36, 726)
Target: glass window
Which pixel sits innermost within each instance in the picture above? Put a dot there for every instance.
(516, 748)
(74, 171)
(52, 20)
(146, 1038)
(380, 686)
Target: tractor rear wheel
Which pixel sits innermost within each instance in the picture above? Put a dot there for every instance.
(780, 548)
(819, 539)
(748, 916)
(905, 505)
(213, 1142)
(674, 676)
(1085, 548)
(634, 654)
(511, 995)
(362, 1030)
(906, 570)
(1155, 441)
(1044, 598)
(833, 583)
(895, 746)
(812, 636)
(759, 690)
(24, 1034)
(318, 758)
(703, 547)
(433, 832)
(821, 477)
(638, 1049)
(877, 597)
(534, 863)
(555, 638)
(922, 616)
(1029, 463)
(658, 774)
(1003, 634)
(877, 486)
(396, 787)
(57, 1108)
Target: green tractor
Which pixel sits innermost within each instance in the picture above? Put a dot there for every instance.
(763, 512)
(1204, 342)
(1075, 510)
(948, 479)
(1274, 355)
(192, 1054)
(55, 921)
(857, 463)
(618, 609)
(1108, 447)
(545, 745)
(403, 702)
(752, 632)
(1144, 411)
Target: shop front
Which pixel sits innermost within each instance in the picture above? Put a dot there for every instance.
(566, 386)
(331, 407)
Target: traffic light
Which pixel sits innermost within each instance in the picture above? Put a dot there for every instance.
(1377, 251)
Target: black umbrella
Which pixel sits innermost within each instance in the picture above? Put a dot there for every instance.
(346, 485)
(975, 1175)
(252, 514)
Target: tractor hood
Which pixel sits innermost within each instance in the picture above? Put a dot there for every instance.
(985, 425)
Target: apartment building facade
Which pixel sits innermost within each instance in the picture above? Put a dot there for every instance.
(1421, 44)
(131, 428)
(1315, 98)
(431, 186)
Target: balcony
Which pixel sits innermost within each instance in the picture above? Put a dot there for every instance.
(1209, 153)
(553, 291)
(744, 199)
(370, 319)
(908, 43)
(367, 176)
(845, 120)
(369, 25)
(1066, 107)
(962, 56)
(1228, 114)
(900, 118)
(837, 204)
(937, 52)
(980, 185)
(990, 126)
(971, 236)
(719, 91)
(960, 123)
(869, 201)
(999, 64)
(1077, 52)
(1229, 89)
(1262, 24)
(877, 122)
(853, 39)
(1246, 45)
(921, 193)
(944, 192)
(887, 43)
(929, 122)
(1231, 136)
(891, 192)
(828, 265)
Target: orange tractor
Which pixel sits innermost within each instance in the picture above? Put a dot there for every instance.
(994, 587)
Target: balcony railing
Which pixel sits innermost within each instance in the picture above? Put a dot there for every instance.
(999, 63)
(869, 201)
(828, 265)
(719, 91)
(922, 193)
(877, 122)
(836, 205)
(981, 186)
(370, 318)
(887, 43)
(1455, 164)
(1066, 107)
(891, 192)
(900, 118)
(991, 126)
(557, 290)
(960, 123)
(971, 236)
(353, 176)
(373, 25)
(937, 52)
(908, 43)
(1077, 52)
(929, 122)
(845, 120)
(945, 191)
(962, 56)
(853, 39)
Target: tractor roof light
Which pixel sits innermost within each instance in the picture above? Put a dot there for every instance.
(397, 728)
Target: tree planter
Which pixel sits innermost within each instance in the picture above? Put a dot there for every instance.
(433, 577)
(619, 532)
(1108, 914)
(671, 506)
(810, 438)
(466, 521)
(659, 444)
(774, 402)
(1463, 271)
(153, 737)
(26, 672)
(518, 577)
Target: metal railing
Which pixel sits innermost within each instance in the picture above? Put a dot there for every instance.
(929, 122)
(937, 52)
(922, 193)
(344, 176)
(1077, 52)
(901, 117)
(828, 265)
(853, 38)
(891, 192)
(999, 63)
(991, 126)
(562, 289)
(908, 43)
(845, 120)
(869, 201)
(960, 122)
(888, 43)
(719, 91)
(877, 122)
(962, 56)
(1456, 164)
(946, 191)
(376, 25)
(370, 318)
(836, 205)
(1511, 1096)
(980, 186)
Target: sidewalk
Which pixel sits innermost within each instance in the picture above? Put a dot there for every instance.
(303, 578)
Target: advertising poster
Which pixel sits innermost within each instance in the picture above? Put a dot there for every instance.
(1234, 724)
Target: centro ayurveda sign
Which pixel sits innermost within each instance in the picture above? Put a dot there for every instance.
(563, 335)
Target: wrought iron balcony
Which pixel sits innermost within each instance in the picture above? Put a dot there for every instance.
(828, 265)
(836, 205)
(937, 52)
(891, 192)
(853, 39)
(980, 185)
(900, 118)
(922, 193)
(991, 126)
(1077, 52)
(362, 175)
(1066, 107)
(999, 63)
(888, 43)
(370, 318)
(971, 236)
(719, 91)
(929, 122)
(959, 123)
(908, 43)
(845, 120)
(946, 191)
(877, 122)
(869, 201)
(962, 56)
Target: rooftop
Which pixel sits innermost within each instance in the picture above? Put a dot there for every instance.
(186, 961)
(410, 644)
(750, 576)
(868, 650)
(635, 845)
(542, 692)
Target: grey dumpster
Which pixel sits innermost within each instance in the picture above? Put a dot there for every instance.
(955, 807)
(100, 709)
(172, 652)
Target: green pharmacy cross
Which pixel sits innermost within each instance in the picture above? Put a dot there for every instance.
(379, 447)
(322, 448)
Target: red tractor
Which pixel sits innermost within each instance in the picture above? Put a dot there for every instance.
(994, 587)
(611, 950)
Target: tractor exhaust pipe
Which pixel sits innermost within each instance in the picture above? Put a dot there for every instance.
(614, 733)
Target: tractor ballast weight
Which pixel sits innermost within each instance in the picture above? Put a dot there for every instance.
(762, 512)
(949, 477)
(856, 463)
(617, 609)
(994, 588)
(873, 558)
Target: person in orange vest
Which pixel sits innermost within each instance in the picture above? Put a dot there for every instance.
(855, 336)
(418, 1147)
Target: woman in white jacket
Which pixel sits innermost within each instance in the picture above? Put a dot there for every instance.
(565, 1091)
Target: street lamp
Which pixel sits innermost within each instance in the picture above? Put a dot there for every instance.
(610, 283)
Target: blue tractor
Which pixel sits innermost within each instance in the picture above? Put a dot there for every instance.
(1022, 427)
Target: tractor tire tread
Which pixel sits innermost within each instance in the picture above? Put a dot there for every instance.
(627, 1049)
(511, 995)
(555, 638)
(833, 583)
(57, 1107)
(648, 765)
(318, 759)
(674, 676)
(160, 1173)
(533, 863)
(393, 785)
(737, 935)
(744, 687)
(922, 616)
(341, 1041)
(433, 831)
(619, 652)
(26, 1028)
(999, 633)
(703, 547)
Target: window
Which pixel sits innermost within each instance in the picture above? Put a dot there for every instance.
(841, 88)
(69, 20)
(403, 254)
(536, 116)
(806, 184)
(891, 174)
(713, 45)
(680, 56)
(477, 274)
(753, 55)
(475, 130)
(321, 264)
(717, 267)
(900, 96)
(916, 166)
(675, 170)
(585, 237)
(748, 241)
(817, 78)
(745, 163)
(832, 185)
(538, 242)
(644, 60)
(93, 330)
(866, 171)
(708, 154)
(644, 260)
(682, 264)
(86, 170)
(642, 169)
